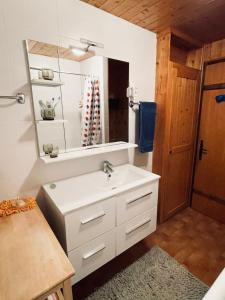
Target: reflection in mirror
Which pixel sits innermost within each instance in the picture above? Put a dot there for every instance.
(118, 81)
(79, 98)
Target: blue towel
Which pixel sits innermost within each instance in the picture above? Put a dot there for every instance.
(220, 98)
(147, 114)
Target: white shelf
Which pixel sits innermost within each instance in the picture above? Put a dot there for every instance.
(47, 122)
(46, 82)
(98, 149)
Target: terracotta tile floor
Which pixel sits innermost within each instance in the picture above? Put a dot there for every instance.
(193, 239)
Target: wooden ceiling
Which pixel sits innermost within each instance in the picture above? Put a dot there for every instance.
(202, 19)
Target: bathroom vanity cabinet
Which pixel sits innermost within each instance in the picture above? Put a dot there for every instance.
(95, 231)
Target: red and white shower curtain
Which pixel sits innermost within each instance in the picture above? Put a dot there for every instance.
(91, 117)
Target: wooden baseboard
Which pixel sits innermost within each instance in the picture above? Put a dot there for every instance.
(208, 207)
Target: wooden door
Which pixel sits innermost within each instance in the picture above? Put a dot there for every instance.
(209, 180)
(182, 109)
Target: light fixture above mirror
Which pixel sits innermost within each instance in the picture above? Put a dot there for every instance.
(78, 51)
(81, 51)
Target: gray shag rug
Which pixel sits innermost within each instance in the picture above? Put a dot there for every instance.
(154, 276)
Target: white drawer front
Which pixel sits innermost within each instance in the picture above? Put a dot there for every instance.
(135, 230)
(136, 201)
(89, 222)
(92, 255)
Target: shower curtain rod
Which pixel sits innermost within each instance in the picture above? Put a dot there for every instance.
(70, 73)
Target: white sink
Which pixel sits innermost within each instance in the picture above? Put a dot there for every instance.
(72, 193)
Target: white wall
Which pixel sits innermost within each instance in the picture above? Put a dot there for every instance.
(49, 21)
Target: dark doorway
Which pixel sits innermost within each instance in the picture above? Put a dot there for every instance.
(118, 102)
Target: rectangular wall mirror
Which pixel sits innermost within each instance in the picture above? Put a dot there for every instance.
(79, 98)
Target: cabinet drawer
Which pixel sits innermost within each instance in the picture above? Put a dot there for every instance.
(92, 255)
(136, 201)
(89, 222)
(136, 229)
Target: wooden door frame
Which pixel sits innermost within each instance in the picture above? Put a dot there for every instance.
(202, 89)
(161, 86)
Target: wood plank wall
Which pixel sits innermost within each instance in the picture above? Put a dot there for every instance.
(215, 50)
(162, 70)
(162, 67)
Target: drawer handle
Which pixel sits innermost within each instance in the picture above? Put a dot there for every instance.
(93, 252)
(139, 198)
(95, 217)
(138, 226)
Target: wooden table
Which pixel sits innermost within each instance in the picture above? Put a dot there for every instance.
(32, 263)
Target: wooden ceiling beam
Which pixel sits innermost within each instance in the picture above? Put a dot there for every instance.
(190, 41)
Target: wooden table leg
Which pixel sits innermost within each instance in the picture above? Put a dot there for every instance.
(59, 295)
(67, 290)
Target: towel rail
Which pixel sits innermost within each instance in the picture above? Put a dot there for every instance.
(133, 103)
(20, 98)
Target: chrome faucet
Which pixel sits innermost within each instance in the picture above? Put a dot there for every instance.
(107, 168)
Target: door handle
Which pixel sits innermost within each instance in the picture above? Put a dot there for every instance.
(202, 150)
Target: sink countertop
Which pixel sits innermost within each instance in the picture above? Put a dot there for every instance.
(73, 193)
